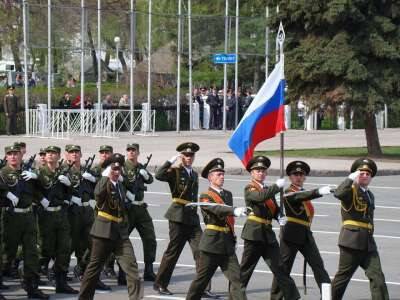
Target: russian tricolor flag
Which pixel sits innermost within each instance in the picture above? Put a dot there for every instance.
(264, 118)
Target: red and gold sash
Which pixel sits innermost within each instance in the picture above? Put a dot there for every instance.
(230, 220)
(269, 203)
(307, 204)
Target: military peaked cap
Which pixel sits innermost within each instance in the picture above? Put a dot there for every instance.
(364, 164)
(11, 87)
(53, 149)
(105, 148)
(117, 160)
(42, 151)
(72, 148)
(258, 162)
(297, 166)
(133, 146)
(217, 164)
(12, 148)
(20, 144)
(188, 147)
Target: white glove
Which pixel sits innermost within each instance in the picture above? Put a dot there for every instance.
(76, 200)
(144, 174)
(89, 177)
(92, 203)
(280, 182)
(282, 220)
(130, 196)
(45, 203)
(28, 175)
(353, 176)
(174, 158)
(64, 180)
(106, 171)
(240, 211)
(324, 190)
(120, 178)
(14, 199)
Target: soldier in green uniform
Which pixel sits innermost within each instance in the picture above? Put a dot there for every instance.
(356, 241)
(42, 159)
(296, 234)
(53, 219)
(20, 188)
(110, 232)
(81, 215)
(136, 176)
(259, 238)
(217, 244)
(184, 222)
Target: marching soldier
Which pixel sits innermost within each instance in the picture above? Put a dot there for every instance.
(296, 234)
(184, 222)
(217, 244)
(136, 176)
(53, 219)
(20, 188)
(356, 241)
(259, 238)
(110, 232)
(105, 152)
(80, 213)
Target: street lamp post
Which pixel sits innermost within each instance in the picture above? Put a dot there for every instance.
(116, 41)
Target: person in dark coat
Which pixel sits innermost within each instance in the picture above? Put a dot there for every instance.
(356, 239)
(11, 110)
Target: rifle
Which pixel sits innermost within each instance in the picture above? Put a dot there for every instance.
(3, 162)
(86, 186)
(138, 184)
(88, 163)
(28, 165)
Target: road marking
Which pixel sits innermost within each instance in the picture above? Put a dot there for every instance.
(242, 198)
(314, 231)
(387, 220)
(292, 274)
(164, 297)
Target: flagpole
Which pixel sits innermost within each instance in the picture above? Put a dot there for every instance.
(280, 38)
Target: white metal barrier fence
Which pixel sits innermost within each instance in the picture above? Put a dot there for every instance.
(62, 123)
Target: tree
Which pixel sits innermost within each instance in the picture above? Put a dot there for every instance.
(343, 51)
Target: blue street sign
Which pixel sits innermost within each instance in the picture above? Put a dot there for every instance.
(224, 58)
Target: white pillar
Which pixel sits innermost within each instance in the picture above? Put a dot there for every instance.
(49, 60)
(149, 68)
(178, 80)
(26, 93)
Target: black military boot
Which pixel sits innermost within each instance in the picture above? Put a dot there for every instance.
(149, 274)
(62, 285)
(2, 286)
(2, 297)
(78, 272)
(101, 286)
(33, 291)
(121, 277)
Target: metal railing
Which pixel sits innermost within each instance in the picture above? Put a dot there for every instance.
(63, 123)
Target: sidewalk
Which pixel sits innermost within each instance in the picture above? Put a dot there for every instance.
(214, 144)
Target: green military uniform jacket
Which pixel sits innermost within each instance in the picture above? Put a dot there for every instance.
(56, 192)
(214, 241)
(113, 224)
(182, 186)
(358, 205)
(255, 197)
(133, 181)
(296, 207)
(96, 171)
(28, 192)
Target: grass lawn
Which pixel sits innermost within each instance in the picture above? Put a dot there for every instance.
(389, 152)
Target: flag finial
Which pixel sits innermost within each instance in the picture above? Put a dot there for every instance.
(281, 35)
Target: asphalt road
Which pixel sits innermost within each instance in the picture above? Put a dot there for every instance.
(326, 228)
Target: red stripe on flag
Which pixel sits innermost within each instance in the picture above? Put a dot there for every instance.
(266, 127)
